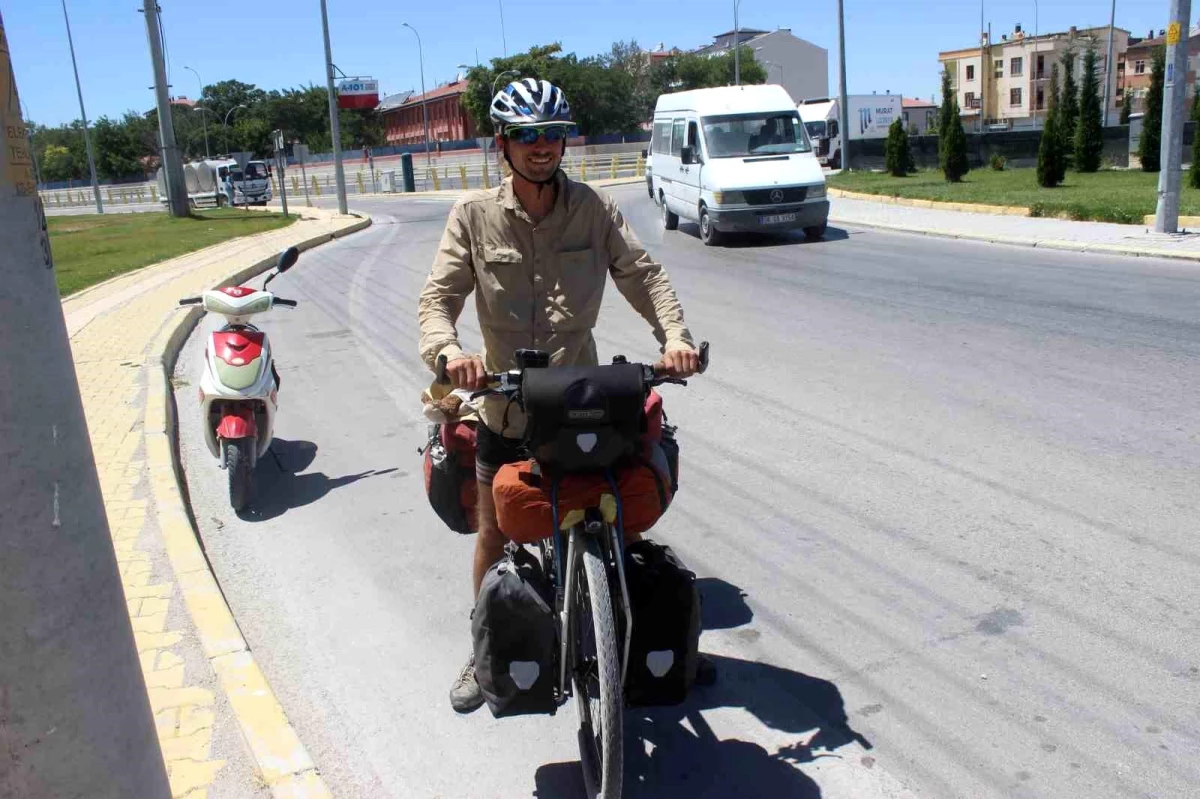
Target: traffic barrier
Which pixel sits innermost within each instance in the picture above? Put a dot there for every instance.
(583, 170)
(153, 194)
(109, 192)
(437, 184)
(613, 172)
(641, 166)
(462, 172)
(295, 185)
(316, 186)
(361, 190)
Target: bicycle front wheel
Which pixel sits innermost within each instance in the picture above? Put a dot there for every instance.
(597, 679)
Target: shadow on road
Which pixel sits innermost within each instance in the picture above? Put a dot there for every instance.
(737, 241)
(673, 752)
(279, 486)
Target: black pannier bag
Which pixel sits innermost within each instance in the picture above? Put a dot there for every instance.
(583, 418)
(516, 648)
(664, 650)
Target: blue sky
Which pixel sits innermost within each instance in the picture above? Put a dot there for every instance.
(890, 44)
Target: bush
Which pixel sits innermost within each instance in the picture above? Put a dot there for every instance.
(999, 162)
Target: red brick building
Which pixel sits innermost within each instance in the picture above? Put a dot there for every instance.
(448, 119)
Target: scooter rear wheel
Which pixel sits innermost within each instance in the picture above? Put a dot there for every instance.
(241, 472)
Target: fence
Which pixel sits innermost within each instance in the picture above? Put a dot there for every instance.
(458, 175)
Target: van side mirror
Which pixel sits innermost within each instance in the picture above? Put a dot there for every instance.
(833, 129)
(688, 155)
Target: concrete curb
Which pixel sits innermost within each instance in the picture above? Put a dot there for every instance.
(283, 762)
(974, 208)
(1047, 244)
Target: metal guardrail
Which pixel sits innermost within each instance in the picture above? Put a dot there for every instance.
(473, 174)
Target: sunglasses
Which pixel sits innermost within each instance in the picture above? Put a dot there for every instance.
(530, 135)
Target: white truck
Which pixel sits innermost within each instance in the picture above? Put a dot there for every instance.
(869, 118)
(211, 182)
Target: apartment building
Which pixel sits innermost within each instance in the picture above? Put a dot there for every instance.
(1133, 67)
(1003, 84)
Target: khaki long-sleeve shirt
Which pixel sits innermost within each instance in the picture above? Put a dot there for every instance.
(540, 285)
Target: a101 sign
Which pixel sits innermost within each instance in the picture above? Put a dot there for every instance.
(357, 94)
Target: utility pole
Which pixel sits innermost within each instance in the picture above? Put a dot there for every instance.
(74, 714)
(177, 201)
(335, 127)
(843, 102)
(424, 110)
(1112, 20)
(87, 139)
(1166, 218)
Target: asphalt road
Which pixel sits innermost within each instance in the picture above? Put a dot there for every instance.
(942, 496)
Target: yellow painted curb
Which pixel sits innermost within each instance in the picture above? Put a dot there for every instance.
(1184, 221)
(974, 208)
(281, 758)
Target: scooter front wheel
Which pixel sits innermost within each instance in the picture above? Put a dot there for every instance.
(240, 470)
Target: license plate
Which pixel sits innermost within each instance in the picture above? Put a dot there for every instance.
(776, 219)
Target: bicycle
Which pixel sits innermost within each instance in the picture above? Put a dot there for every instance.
(591, 599)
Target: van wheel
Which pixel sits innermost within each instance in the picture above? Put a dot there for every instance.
(815, 233)
(708, 234)
(670, 221)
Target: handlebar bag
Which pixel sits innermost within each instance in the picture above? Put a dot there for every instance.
(516, 659)
(583, 418)
(664, 646)
(523, 496)
(450, 475)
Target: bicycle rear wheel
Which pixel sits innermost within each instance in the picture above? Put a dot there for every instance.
(597, 679)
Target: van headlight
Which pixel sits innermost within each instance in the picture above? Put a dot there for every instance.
(816, 192)
(727, 198)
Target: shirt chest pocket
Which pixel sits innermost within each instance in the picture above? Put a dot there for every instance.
(576, 286)
(503, 278)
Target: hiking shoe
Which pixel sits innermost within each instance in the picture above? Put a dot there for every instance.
(706, 671)
(465, 695)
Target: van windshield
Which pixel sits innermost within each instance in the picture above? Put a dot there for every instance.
(741, 135)
(815, 130)
(256, 171)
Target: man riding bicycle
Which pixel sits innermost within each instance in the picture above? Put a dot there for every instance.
(538, 250)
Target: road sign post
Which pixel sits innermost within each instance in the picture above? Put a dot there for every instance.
(301, 152)
(281, 163)
(1175, 90)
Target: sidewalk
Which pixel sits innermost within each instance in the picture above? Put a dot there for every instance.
(1057, 234)
(222, 733)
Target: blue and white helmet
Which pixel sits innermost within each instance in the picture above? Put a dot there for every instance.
(530, 102)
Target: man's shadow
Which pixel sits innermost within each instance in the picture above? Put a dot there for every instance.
(279, 486)
(673, 752)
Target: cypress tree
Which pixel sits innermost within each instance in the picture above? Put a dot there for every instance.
(896, 154)
(1126, 106)
(1089, 131)
(1050, 166)
(1150, 146)
(1068, 111)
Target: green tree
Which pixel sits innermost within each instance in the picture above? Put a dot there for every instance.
(1089, 131)
(897, 156)
(1150, 146)
(1068, 112)
(1194, 169)
(1126, 106)
(952, 139)
(57, 163)
(1050, 166)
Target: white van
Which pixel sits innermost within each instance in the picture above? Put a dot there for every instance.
(736, 158)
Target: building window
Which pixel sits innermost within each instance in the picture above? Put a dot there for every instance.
(1139, 67)
(1016, 67)
(969, 100)
(1041, 67)
(1014, 96)
(999, 64)
(1041, 98)
(970, 72)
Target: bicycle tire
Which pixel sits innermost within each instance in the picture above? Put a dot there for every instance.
(602, 753)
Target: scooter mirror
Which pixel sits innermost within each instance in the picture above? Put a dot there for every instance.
(287, 259)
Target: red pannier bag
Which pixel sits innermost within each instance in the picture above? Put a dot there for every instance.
(450, 475)
(523, 493)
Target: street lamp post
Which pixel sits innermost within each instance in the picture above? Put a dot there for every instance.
(503, 37)
(203, 120)
(737, 51)
(87, 139)
(204, 110)
(227, 113)
(424, 109)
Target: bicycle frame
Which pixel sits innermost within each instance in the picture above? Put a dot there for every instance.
(609, 535)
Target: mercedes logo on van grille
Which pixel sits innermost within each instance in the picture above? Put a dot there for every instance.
(777, 195)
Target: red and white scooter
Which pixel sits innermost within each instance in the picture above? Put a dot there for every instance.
(239, 386)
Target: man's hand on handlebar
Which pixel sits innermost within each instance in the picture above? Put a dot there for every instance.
(467, 372)
(678, 363)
